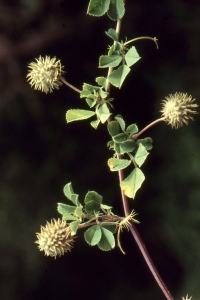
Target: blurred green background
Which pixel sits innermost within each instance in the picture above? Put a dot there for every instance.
(40, 153)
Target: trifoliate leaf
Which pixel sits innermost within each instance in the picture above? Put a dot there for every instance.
(132, 183)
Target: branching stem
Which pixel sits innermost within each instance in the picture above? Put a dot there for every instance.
(69, 84)
(142, 38)
(132, 227)
(147, 127)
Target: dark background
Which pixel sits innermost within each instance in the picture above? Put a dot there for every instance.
(40, 153)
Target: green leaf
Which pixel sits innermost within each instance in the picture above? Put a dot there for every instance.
(111, 226)
(132, 129)
(103, 94)
(98, 8)
(132, 183)
(87, 90)
(141, 155)
(132, 56)
(127, 146)
(103, 113)
(107, 241)
(68, 217)
(116, 9)
(119, 138)
(93, 235)
(79, 211)
(101, 81)
(74, 226)
(115, 49)
(106, 61)
(91, 101)
(95, 123)
(65, 209)
(121, 122)
(78, 114)
(117, 148)
(146, 142)
(113, 128)
(118, 164)
(117, 76)
(74, 199)
(107, 208)
(68, 190)
(112, 34)
(92, 202)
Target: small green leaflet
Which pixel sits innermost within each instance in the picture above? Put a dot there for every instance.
(141, 155)
(92, 202)
(117, 76)
(101, 81)
(95, 123)
(107, 241)
(103, 113)
(118, 164)
(132, 129)
(78, 114)
(113, 128)
(121, 122)
(116, 9)
(112, 34)
(132, 183)
(98, 8)
(74, 226)
(127, 146)
(132, 56)
(106, 61)
(68, 190)
(93, 235)
(65, 209)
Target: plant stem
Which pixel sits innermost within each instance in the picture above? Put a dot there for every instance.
(132, 227)
(69, 84)
(142, 38)
(150, 262)
(147, 127)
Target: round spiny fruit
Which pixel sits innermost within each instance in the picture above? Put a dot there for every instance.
(177, 109)
(55, 238)
(44, 74)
